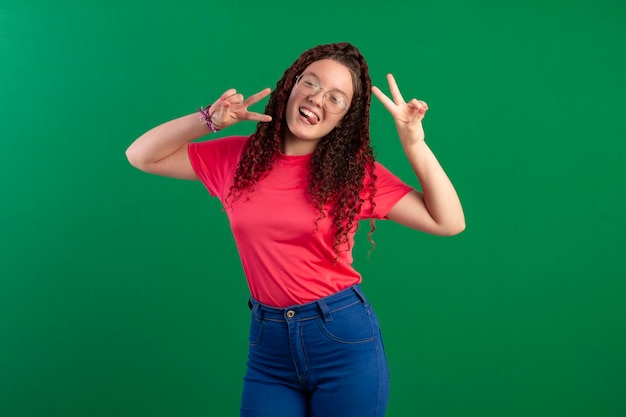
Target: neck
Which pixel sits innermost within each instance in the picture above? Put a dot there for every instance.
(296, 146)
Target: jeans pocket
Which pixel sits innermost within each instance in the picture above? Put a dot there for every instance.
(256, 331)
(350, 325)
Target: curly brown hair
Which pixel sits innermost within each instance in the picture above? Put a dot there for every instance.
(342, 160)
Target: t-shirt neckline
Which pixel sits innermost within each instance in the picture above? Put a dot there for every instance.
(295, 159)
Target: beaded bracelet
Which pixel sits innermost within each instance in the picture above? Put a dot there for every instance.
(206, 116)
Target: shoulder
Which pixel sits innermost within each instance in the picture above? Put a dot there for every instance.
(379, 172)
(225, 143)
(380, 169)
(226, 148)
(387, 184)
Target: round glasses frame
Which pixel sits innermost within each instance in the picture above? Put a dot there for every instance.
(311, 90)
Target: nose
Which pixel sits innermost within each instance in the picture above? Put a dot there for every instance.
(317, 97)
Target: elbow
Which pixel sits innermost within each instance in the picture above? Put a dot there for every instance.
(456, 224)
(457, 230)
(130, 155)
(452, 229)
(134, 158)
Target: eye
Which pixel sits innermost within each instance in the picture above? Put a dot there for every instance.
(338, 99)
(309, 83)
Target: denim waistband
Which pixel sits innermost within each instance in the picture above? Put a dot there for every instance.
(312, 310)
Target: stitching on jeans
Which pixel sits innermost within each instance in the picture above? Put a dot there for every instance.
(316, 316)
(344, 341)
(259, 338)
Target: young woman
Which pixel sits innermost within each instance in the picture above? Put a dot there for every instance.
(294, 192)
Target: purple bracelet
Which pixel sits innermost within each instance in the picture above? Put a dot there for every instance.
(207, 118)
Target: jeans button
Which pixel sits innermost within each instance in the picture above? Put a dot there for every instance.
(291, 313)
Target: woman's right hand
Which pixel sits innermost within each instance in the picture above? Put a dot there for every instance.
(162, 150)
(231, 108)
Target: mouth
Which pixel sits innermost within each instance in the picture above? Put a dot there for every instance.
(309, 115)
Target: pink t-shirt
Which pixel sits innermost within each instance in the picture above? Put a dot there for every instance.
(286, 260)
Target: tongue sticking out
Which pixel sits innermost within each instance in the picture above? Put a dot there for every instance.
(310, 116)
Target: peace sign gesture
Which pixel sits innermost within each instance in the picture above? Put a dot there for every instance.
(231, 108)
(407, 116)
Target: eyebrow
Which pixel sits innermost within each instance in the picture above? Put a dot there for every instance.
(318, 78)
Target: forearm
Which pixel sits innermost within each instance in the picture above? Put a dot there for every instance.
(439, 194)
(437, 209)
(164, 140)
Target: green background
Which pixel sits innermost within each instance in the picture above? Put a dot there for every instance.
(121, 293)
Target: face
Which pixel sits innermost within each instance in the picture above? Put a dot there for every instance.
(308, 120)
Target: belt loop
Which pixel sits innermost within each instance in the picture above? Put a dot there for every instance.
(324, 310)
(359, 293)
(254, 306)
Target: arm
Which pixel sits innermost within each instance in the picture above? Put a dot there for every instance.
(437, 209)
(163, 149)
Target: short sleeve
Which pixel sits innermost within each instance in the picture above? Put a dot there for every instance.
(215, 162)
(389, 190)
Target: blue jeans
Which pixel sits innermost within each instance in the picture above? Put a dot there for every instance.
(321, 359)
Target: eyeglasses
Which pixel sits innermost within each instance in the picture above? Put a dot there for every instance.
(334, 101)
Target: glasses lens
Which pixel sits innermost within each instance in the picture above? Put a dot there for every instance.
(308, 85)
(334, 101)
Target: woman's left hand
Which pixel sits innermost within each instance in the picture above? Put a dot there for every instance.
(407, 115)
